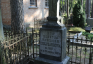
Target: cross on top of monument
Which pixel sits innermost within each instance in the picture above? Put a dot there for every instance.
(53, 18)
(54, 8)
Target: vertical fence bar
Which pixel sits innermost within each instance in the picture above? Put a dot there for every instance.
(13, 54)
(81, 50)
(36, 44)
(0, 53)
(17, 53)
(34, 23)
(33, 41)
(85, 49)
(13, 48)
(92, 53)
(27, 42)
(26, 34)
(24, 42)
(68, 42)
(6, 34)
(72, 50)
(16, 47)
(23, 46)
(30, 42)
(76, 49)
(90, 56)
(10, 55)
(11, 51)
(4, 53)
(20, 50)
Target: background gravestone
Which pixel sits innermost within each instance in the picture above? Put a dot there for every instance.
(52, 39)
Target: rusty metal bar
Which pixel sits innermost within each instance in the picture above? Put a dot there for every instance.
(33, 41)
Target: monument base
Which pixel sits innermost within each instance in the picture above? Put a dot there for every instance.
(39, 60)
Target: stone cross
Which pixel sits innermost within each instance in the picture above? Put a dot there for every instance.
(54, 8)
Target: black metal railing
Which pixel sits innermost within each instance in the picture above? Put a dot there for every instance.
(80, 49)
(38, 22)
(21, 47)
(18, 48)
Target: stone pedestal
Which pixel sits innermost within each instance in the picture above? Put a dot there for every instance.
(52, 43)
(89, 22)
(47, 61)
(52, 38)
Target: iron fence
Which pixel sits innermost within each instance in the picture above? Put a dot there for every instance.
(80, 49)
(24, 48)
(17, 49)
(38, 22)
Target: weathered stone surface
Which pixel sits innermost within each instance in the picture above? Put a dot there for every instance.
(64, 43)
(53, 8)
(50, 43)
(89, 22)
(53, 43)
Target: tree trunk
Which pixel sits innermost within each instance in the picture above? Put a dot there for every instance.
(88, 8)
(17, 16)
(67, 8)
(92, 10)
(82, 3)
(1, 25)
(67, 11)
(71, 5)
(62, 7)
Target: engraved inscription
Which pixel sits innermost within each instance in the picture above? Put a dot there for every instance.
(50, 43)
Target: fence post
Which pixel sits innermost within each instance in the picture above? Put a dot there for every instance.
(33, 41)
(0, 54)
(34, 22)
(68, 42)
(90, 56)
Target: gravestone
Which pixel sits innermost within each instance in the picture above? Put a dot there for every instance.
(88, 29)
(52, 39)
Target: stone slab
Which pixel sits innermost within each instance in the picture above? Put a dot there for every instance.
(88, 29)
(53, 43)
(39, 60)
(89, 22)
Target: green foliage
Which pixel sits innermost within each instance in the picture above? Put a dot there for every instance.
(65, 18)
(85, 33)
(78, 15)
(72, 4)
(89, 35)
(76, 29)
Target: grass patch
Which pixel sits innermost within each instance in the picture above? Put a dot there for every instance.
(76, 29)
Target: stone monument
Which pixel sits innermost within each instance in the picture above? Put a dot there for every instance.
(52, 39)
